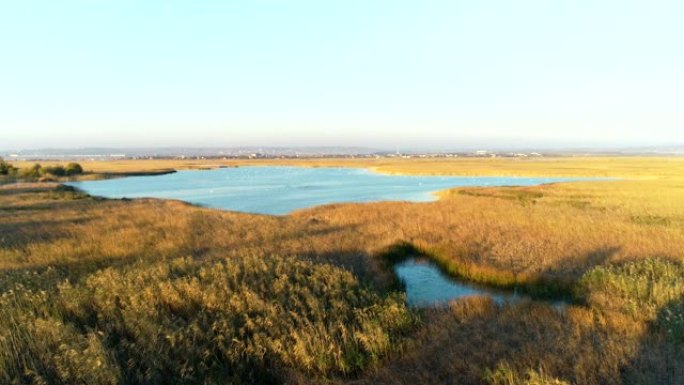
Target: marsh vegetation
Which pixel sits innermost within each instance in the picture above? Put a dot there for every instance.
(150, 291)
(36, 172)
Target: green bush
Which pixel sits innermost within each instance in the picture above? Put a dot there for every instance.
(55, 170)
(7, 169)
(73, 169)
(671, 320)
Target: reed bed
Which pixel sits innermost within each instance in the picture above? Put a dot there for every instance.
(242, 319)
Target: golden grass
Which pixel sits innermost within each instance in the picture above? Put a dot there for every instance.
(188, 321)
(554, 239)
(625, 167)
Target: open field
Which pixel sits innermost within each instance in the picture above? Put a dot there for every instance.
(150, 291)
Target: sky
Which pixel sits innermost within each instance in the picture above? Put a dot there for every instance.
(374, 73)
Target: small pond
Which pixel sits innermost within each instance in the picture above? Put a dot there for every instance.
(426, 285)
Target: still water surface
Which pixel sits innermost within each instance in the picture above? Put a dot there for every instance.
(280, 190)
(427, 285)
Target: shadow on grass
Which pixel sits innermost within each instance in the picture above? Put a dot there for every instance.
(50, 275)
(546, 285)
(23, 233)
(660, 357)
(461, 343)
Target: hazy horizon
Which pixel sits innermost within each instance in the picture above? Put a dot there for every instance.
(418, 75)
(672, 149)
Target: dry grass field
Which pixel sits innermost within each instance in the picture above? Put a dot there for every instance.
(150, 291)
(627, 167)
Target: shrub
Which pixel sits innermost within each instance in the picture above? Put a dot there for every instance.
(671, 320)
(33, 172)
(73, 169)
(6, 168)
(37, 171)
(55, 170)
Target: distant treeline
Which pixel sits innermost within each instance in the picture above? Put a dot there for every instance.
(37, 171)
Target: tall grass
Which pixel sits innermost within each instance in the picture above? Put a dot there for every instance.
(474, 341)
(650, 289)
(241, 319)
(505, 375)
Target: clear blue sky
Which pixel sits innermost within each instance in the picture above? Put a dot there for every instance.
(376, 73)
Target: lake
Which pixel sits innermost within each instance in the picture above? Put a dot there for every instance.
(281, 190)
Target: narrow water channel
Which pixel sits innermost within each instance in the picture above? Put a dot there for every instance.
(426, 285)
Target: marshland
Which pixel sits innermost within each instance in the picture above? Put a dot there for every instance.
(341, 192)
(154, 291)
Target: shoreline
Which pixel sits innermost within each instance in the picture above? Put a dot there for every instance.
(563, 167)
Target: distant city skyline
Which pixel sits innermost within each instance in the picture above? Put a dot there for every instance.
(434, 74)
(269, 151)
